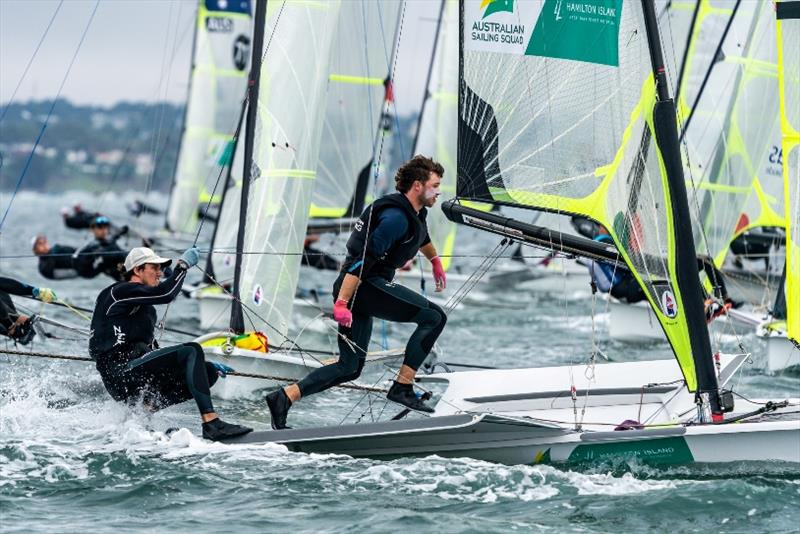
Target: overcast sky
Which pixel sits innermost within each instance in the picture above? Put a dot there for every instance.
(138, 50)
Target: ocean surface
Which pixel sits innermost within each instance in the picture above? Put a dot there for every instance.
(73, 460)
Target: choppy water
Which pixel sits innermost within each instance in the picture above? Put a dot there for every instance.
(73, 460)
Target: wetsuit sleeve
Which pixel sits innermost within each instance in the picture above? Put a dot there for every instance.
(427, 238)
(392, 226)
(11, 286)
(128, 295)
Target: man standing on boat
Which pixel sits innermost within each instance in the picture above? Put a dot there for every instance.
(389, 233)
(127, 355)
(12, 323)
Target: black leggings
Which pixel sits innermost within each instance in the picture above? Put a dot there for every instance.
(165, 377)
(379, 298)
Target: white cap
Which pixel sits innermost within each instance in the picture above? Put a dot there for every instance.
(141, 255)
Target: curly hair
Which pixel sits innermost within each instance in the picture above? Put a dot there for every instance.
(418, 168)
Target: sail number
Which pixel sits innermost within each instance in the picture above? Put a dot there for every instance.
(776, 155)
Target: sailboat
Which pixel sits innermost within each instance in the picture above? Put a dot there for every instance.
(220, 63)
(280, 150)
(782, 333)
(600, 65)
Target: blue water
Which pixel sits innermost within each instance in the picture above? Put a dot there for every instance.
(73, 460)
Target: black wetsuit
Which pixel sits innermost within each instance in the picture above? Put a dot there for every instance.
(100, 256)
(80, 220)
(319, 260)
(8, 312)
(57, 264)
(396, 233)
(127, 355)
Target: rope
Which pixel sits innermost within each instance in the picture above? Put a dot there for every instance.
(275, 378)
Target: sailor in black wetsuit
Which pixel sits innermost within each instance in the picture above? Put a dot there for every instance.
(102, 255)
(389, 233)
(55, 262)
(126, 353)
(614, 279)
(12, 323)
(78, 219)
(314, 257)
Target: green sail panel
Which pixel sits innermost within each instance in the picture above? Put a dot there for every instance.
(788, 39)
(217, 85)
(575, 137)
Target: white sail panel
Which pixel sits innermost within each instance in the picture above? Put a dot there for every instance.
(439, 126)
(291, 104)
(217, 87)
(361, 54)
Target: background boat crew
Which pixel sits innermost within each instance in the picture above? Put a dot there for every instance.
(102, 254)
(13, 324)
(615, 280)
(78, 219)
(389, 233)
(56, 261)
(126, 352)
(313, 257)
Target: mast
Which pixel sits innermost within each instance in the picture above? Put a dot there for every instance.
(428, 78)
(237, 317)
(209, 275)
(664, 118)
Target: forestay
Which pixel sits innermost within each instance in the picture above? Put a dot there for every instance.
(557, 104)
(217, 85)
(361, 55)
(788, 38)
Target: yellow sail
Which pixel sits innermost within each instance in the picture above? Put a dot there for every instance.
(788, 38)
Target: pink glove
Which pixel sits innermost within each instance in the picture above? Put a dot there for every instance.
(341, 314)
(438, 273)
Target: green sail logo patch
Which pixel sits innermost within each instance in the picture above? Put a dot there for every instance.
(582, 31)
(496, 6)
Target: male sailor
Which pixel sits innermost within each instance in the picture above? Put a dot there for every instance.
(78, 219)
(56, 261)
(389, 233)
(13, 324)
(102, 254)
(616, 280)
(127, 355)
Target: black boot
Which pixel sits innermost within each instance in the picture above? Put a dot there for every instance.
(404, 394)
(278, 403)
(217, 430)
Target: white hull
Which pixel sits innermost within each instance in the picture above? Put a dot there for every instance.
(781, 352)
(518, 416)
(215, 309)
(633, 322)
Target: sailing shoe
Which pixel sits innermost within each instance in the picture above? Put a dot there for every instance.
(278, 404)
(404, 394)
(217, 430)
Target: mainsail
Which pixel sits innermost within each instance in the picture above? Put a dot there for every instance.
(217, 85)
(560, 110)
(358, 79)
(788, 39)
(282, 138)
(734, 135)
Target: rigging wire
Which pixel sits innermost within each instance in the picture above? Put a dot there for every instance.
(30, 61)
(49, 114)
